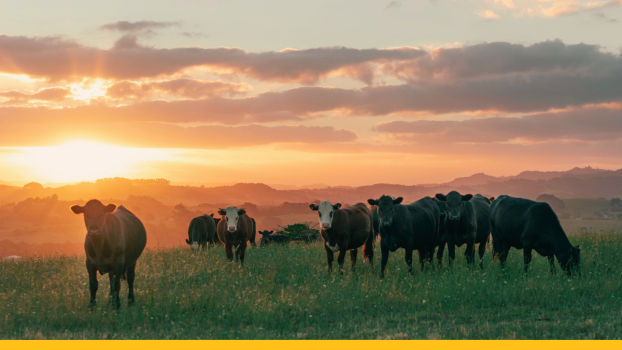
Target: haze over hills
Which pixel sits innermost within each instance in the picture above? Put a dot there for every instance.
(577, 182)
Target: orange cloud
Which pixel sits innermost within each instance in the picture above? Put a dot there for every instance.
(190, 88)
(51, 94)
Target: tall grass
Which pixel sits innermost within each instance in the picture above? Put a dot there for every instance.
(286, 292)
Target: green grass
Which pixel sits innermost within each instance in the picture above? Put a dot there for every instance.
(285, 292)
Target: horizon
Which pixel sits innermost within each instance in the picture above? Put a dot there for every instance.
(380, 93)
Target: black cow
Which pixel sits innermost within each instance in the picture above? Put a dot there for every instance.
(215, 240)
(412, 227)
(345, 229)
(441, 239)
(267, 237)
(202, 230)
(375, 220)
(528, 225)
(114, 242)
(460, 224)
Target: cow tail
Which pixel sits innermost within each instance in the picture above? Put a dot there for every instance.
(252, 240)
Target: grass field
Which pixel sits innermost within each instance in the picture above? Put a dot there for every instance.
(285, 293)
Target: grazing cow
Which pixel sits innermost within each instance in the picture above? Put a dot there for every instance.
(267, 237)
(201, 231)
(114, 241)
(412, 226)
(460, 224)
(345, 229)
(234, 230)
(528, 225)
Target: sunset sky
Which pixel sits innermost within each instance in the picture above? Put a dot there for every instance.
(305, 92)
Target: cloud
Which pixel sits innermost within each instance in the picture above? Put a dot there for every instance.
(487, 14)
(55, 94)
(553, 8)
(586, 124)
(601, 15)
(162, 135)
(194, 34)
(189, 88)
(54, 58)
(139, 26)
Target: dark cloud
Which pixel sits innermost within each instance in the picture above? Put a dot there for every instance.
(586, 124)
(57, 59)
(601, 16)
(50, 95)
(139, 26)
(194, 34)
(184, 87)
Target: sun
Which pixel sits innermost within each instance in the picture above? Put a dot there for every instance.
(83, 160)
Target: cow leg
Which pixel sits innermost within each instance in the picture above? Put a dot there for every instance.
(93, 283)
(384, 259)
(482, 250)
(409, 260)
(237, 252)
(451, 248)
(130, 283)
(527, 256)
(368, 249)
(115, 288)
(552, 262)
(469, 253)
(439, 254)
(242, 252)
(353, 254)
(503, 254)
(228, 251)
(330, 257)
(422, 257)
(340, 260)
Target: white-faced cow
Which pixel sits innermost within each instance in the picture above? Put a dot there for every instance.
(345, 230)
(412, 227)
(234, 230)
(114, 241)
(528, 225)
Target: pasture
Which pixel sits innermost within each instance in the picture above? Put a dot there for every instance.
(286, 293)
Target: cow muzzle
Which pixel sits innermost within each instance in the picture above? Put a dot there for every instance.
(195, 246)
(333, 248)
(326, 226)
(231, 228)
(454, 218)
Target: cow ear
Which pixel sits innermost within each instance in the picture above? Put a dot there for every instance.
(212, 214)
(313, 206)
(222, 212)
(372, 201)
(110, 208)
(492, 199)
(77, 209)
(467, 197)
(187, 241)
(272, 231)
(337, 206)
(398, 200)
(241, 211)
(441, 197)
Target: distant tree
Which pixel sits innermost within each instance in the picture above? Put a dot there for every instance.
(555, 203)
(180, 207)
(251, 209)
(616, 204)
(33, 186)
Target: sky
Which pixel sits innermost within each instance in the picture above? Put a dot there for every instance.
(308, 92)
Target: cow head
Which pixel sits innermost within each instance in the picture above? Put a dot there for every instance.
(265, 236)
(232, 216)
(573, 261)
(386, 208)
(454, 202)
(491, 199)
(325, 213)
(94, 215)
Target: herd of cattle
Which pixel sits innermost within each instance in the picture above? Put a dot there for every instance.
(116, 238)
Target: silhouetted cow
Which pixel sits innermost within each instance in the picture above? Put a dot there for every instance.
(114, 242)
(267, 237)
(345, 229)
(234, 230)
(201, 231)
(460, 224)
(412, 227)
(528, 225)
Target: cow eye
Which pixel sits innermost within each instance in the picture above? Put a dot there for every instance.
(331, 214)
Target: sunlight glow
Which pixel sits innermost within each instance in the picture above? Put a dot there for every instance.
(88, 90)
(85, 161)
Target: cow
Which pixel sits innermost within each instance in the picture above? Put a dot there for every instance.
(441, 239)
(234, 230)
(374, 213)
(267, 237)
(528, 225)
(114, 241)
(201, 231)
(460, 224)
(345, 230)
(412, 227)
(215, 239)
